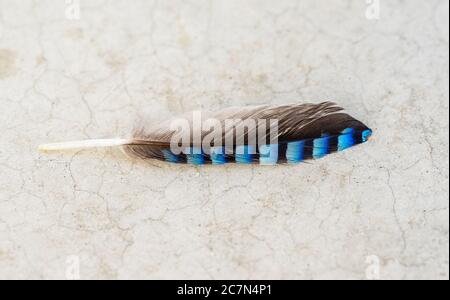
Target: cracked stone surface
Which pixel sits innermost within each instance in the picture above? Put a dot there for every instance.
(381, 206)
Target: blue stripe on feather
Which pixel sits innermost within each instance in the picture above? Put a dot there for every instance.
(218, 155)
(268, 154)
(366, 134)
(320, 146)
(295, 151)
(346, 139)
(194, 155)
(244, 154)
(169, 156)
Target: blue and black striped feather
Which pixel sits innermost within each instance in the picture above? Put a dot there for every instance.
(306, 131)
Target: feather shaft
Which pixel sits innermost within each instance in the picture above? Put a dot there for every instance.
(84, 144)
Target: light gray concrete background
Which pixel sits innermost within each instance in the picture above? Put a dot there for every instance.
(70, 71)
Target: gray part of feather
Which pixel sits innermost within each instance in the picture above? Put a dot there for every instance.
(291, 117)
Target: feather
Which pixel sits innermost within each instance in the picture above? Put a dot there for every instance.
(267, 134)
